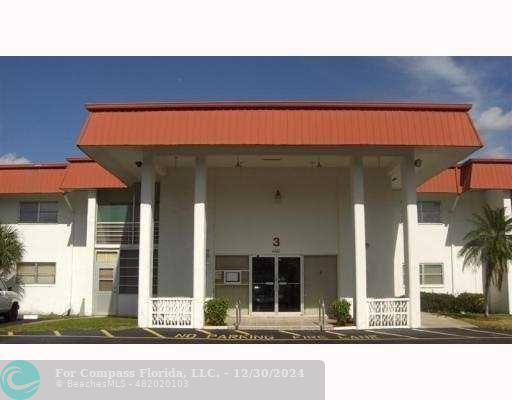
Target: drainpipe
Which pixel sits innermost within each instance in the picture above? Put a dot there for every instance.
(66, 199)
(452, 247)
(455, 202)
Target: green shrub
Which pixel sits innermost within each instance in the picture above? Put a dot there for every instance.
(340, 310)
(447, 303)
(216, 311)
(471, 303)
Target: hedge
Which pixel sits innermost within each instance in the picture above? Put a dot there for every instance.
(446, 303)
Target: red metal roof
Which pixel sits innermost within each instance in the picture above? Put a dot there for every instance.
(31, 179)
(448, 181)
(487, 174)
(79, 173)
(279, 123)
(474, 174)
(83, 173)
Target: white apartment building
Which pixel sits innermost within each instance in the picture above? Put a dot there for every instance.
(275, 205)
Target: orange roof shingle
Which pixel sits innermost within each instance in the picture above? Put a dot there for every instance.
(31, 179)
(279, 123)
(448, 181)
(488, 174)
(56, 178)
(83, 173)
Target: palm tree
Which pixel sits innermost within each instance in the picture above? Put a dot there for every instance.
(489, 244)
(11, 251)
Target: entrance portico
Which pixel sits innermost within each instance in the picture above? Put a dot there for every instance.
(264, 218)
(270, 279)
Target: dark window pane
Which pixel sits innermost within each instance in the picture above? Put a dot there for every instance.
(48, 211)
(48, 206)
(289, 269)
(429, 211)
(28, 211)
(263, 290)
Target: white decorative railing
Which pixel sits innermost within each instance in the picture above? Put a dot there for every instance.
(388, 313)
(171, 312)
(120, 232)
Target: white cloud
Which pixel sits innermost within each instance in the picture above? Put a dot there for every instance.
(445, 70)
(495, 119)
(494, 152)
(13, 158)
(463, 83)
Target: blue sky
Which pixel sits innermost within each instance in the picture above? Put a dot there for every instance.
(41, 99)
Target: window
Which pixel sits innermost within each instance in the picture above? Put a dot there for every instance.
(107, 261)
(431, 274)
(231, 270)
(129, 271)
(429, 211)
(38, 211)
(232, 277)
(106, 279)
(36, 273)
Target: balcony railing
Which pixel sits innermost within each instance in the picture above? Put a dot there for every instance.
(121, 232)
(388, 313)
(171, 312)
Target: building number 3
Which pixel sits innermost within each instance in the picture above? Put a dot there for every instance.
(276, 242)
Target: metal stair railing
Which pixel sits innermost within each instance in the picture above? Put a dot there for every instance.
(321, 314)
(238, 314)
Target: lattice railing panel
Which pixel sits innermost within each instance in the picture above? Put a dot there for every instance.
(171, 312)
(388, 313)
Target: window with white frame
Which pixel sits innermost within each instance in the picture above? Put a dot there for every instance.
(429, 212)
(36, 273)
(38, 211)
(431, 274)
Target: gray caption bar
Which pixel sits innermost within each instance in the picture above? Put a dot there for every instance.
(178, 379)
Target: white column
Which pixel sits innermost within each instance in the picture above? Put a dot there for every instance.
(357, 186)
(86, 299)
(147, 199)
(341, 188)
(411, 239)
(507, 205)
(199, 242)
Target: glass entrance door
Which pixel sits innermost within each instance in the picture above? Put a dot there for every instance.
(263, 284)
(276, 284)
(289, 284)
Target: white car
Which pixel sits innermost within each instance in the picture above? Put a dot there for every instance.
(9, 302)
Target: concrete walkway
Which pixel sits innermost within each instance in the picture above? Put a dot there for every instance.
(429, 320)
(306, 322)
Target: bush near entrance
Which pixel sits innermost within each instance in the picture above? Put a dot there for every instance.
(473, 303)
(340, 310)
(216, 311)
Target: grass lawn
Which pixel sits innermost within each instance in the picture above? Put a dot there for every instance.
(501, 322)
(70, 324)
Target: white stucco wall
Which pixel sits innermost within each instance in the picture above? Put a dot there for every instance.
(243, 218)
(440, 243)
(313, 218)
(60, 243)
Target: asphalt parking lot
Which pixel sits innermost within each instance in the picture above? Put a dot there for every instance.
(189, 336)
